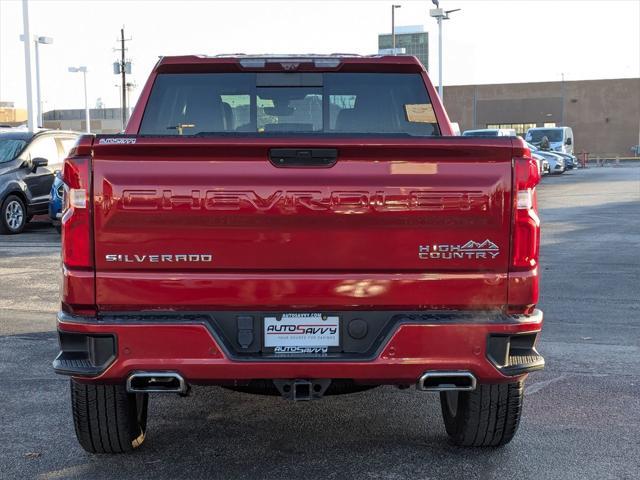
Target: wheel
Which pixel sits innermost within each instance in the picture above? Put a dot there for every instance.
(107, 419)
(486, 417)
(13, 214)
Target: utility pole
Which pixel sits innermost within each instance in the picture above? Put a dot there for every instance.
(27, 65)
(124, 80)
(123, 67)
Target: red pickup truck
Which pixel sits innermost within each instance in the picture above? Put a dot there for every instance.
(302, 226)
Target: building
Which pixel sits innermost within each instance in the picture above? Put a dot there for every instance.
(10, 115)
(604, 114)
(412, 39)
(103, 120)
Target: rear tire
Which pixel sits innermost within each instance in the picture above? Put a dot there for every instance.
(107, 419)
(486, 417)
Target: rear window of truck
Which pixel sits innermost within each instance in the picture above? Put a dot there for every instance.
(263, 104)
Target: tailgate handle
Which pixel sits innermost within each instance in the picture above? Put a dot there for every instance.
(303, 157)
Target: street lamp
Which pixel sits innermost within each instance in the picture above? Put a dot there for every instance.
(45, 41)
(38, 41)
(393, 26)
(86, 104)
(440, 14)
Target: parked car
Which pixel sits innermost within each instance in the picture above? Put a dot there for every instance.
(555, 160)
(490, 132)
(55, 201)
(28, 161)
(570, 161)
(297, 247)
(560, 138)
(542, 162)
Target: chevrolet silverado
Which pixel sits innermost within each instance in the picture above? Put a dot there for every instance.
(301, 226)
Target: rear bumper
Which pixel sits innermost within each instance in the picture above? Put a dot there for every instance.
(494, 347)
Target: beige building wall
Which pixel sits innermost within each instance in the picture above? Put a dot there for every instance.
(12, 116)
(97, 126)
(604, 114)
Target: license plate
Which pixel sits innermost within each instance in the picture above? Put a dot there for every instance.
(301, 330)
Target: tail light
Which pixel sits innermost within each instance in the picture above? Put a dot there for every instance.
(77, 249)
(525, 249)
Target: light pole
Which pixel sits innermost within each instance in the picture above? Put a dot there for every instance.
(562, 95)
(86, 103)
(130, 87)
(440, 14)
(45, 41)
(27, 64)
(393, 26)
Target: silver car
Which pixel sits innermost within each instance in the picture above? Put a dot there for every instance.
(556, 161)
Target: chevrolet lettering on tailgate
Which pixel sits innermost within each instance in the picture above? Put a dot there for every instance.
(293, 201)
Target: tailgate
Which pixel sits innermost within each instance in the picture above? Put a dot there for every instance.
(203, 222)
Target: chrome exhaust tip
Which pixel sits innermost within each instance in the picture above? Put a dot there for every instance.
(443, 381)
(156, 382)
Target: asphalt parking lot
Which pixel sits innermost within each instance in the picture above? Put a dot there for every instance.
(581, 416)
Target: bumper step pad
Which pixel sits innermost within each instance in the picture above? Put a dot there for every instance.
(84, 354)
(514, 354)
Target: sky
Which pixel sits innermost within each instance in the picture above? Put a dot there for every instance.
(500, 41)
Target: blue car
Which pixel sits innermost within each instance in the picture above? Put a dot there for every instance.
(55, 201)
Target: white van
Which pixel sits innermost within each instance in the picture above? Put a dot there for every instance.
(490, 132)
(560, 138)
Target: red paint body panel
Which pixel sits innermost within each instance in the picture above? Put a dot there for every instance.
(192, 351)
(161, 290)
